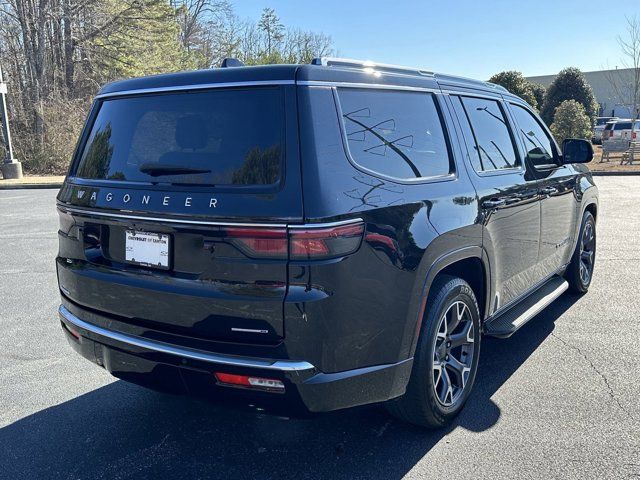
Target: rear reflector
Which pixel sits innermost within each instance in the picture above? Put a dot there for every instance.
(303, 243)
(71, 331)
(250, 382)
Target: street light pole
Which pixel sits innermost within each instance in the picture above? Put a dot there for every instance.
(11, 168)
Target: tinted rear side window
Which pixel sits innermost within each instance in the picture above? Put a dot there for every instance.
(216, 137)
(494, 149)
(394, 133)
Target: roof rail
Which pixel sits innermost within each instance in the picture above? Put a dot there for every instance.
(496, 86)
(231, 62)
(373, 66)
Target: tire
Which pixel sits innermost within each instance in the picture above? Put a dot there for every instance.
(580, 270)
(427, 402)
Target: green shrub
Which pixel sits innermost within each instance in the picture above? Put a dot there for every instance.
(570, 84)
(516, 84)
(538, 92)
(571, 121)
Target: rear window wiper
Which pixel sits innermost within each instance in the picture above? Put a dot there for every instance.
(156, 170)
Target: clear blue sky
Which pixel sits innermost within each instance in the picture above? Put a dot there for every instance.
(474, 38)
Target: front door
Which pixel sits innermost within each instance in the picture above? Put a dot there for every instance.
(508, 194)
(559, 205)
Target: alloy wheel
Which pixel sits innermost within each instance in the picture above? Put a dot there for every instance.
(587, 253)
(453, 353)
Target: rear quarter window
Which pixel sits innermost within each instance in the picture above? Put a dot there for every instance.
(214, 137)
(396, 134)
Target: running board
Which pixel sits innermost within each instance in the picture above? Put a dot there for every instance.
(509, 322)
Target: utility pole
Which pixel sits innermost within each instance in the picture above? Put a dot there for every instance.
(10, 167)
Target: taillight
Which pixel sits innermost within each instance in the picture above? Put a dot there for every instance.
(611, 133)
(260, 383)
(301, 243)
(66, 224)
(633, 135)
(322, 243)
(260, 242)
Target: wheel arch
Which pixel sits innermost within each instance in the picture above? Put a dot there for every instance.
(589, 204)
(591, 207)
(469, 263)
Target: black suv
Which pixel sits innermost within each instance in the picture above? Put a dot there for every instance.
(317, 236)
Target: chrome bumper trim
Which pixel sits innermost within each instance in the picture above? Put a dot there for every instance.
(278, 365)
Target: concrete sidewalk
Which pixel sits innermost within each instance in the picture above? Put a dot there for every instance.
(32, 182)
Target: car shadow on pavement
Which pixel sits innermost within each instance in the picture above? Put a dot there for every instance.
(124, 431)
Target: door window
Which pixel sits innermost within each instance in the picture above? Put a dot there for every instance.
(492, 146)
(537, 142)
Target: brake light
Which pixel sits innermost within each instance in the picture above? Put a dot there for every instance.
(260, 242)
(250, 382)
(611, 133)
(633, 135)
(322, 243)
(301, 243)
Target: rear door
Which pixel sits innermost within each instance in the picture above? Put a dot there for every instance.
(213, 177)
(508, 196)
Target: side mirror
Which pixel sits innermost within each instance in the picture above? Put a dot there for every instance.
(576, 150)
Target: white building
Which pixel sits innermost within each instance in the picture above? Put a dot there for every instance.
(612, 102)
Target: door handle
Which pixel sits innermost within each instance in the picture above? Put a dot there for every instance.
(549, 190)
(494, 203)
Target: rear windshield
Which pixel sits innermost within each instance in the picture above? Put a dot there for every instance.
(214, 137)
(622, 126)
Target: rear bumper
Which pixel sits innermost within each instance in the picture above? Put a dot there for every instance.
(185, 370)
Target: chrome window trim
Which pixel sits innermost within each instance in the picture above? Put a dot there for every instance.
(488, 94)
(378, 86)
(201, 86)
(184, 352)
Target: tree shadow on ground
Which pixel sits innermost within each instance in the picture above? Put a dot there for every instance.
(124, 431)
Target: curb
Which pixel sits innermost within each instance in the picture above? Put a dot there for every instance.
(25, 186)
(615, 174)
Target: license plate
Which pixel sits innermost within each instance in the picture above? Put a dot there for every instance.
(149, 249)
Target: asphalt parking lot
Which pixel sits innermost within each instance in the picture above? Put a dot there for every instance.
(560, 399)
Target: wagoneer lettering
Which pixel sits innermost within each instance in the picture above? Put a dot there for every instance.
(376, 222)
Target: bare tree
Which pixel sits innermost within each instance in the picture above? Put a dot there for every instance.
(626, 83)
(57, 53)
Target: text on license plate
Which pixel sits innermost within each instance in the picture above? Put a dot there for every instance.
(150, 249)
